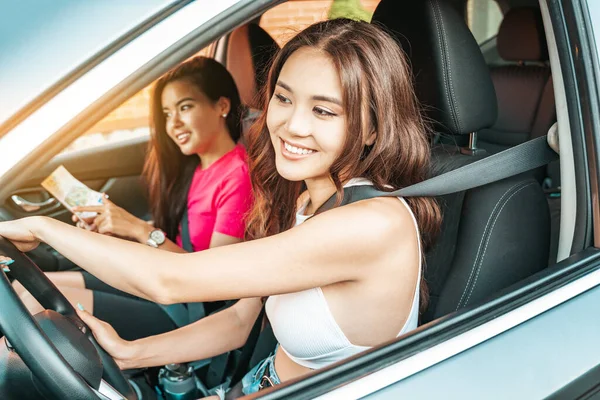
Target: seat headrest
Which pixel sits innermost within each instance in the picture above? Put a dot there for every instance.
(249, 53)
(452, 79)
(521, 36)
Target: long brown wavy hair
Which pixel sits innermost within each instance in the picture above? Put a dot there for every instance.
(167, 171)
(378, 96)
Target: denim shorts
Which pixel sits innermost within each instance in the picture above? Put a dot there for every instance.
(252, 380)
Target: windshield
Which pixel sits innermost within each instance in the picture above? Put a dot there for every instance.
(42, 41)
(56, 112)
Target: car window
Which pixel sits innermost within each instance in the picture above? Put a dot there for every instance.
(285, 20)
(130, 120)
(483, 18)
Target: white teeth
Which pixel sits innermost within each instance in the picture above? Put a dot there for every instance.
(182, 136)
(296, 150)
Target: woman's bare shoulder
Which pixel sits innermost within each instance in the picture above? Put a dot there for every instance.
(376, 225)
(383, 214)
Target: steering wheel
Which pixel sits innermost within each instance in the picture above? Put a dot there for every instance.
(52, 354)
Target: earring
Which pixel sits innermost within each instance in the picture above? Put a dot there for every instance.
(224, 115)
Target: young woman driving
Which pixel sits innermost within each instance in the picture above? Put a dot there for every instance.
(340, 111)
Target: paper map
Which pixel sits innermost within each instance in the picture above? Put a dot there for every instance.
(71, 192)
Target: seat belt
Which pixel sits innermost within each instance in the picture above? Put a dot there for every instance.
(183, 314)
(510, 162)
(248, 349)
(196, 310)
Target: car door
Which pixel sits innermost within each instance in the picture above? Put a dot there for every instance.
(113, 169)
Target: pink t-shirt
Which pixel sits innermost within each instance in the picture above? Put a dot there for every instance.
(219, 199)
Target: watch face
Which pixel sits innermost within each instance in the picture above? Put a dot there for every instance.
(158, 236)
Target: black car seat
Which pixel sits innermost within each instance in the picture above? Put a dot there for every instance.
(492, 236)
(525, 95)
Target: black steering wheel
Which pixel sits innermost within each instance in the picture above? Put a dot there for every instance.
(53, 354)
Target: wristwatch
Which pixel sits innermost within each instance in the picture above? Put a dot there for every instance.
(156, 238)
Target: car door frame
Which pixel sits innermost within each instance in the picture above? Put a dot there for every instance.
(581, 269)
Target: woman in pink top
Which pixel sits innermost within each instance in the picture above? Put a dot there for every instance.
(194, 164)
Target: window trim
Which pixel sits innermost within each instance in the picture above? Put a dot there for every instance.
(580, 88)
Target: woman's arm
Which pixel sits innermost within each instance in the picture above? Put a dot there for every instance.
(114, 220)
(216, 334)
(335, 246)
(143, 233)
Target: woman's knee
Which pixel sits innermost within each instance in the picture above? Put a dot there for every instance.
(19, 289)
(83, 296)
(30, 302)
(67, 279)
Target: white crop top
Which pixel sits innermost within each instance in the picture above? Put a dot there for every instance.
(304, 325)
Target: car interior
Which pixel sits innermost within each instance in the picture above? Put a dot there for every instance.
(469, 261)
(481, 98)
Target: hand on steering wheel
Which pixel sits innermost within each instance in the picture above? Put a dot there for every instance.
(108, 338)
(55, 345)
(20, 234)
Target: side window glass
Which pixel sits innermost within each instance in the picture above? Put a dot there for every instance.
(484, 18)
(285, 20)
(130, 120)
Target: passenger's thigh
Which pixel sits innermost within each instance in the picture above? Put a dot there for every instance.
(82, 296)
(70, 279)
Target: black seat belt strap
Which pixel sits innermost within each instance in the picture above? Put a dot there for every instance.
(248, 349)
(196, 311)
(516, 160)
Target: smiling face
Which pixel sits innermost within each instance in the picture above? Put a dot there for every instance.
(192, 121)
(306, 118)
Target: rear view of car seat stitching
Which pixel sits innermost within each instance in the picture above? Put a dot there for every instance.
(517, 246)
